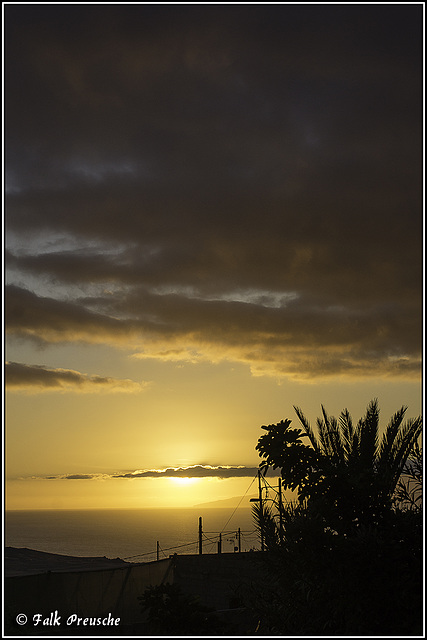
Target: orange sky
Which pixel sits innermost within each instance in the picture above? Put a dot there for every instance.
(212, 214)
(187, 416)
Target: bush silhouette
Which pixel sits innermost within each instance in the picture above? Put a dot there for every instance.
(348, 559)
(170, 611)
(347, 473)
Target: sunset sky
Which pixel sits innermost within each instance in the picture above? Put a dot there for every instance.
(212, 213)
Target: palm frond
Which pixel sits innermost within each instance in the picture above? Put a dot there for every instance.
(368, 435)
(265, 524)
(347, 433)
(402, 447)
(409, 489)
(333, 437)
(309, 431)
(323, 436)
(388, 439)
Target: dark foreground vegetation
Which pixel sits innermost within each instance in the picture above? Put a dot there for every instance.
(172, 612)
(344, 559)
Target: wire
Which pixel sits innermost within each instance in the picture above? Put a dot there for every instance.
(272, 488)
(211, 540)
(253, 480)
(148, 553)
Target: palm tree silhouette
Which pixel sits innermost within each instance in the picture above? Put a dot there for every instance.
(347, 473)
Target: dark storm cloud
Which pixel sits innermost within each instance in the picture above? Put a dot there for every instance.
(25, 377)
(47, 319)
(226, 181)
(197, 471)
(302, 338)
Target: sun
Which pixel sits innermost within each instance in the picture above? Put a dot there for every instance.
(184, 481)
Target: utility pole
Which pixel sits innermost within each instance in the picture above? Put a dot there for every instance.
(238, 534)
(200, 535)
(220, 543)
(280, 511)
(261, 510)
(157, 550)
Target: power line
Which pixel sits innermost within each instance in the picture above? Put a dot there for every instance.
(179, 546)
(253, 480)
(209, 540)
(267, 483)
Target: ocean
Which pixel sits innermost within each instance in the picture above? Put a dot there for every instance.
(130, 534)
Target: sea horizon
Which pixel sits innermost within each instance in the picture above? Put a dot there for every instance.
(139, 534)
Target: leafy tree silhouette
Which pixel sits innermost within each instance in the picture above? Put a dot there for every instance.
(348, 559)
(347, 474)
